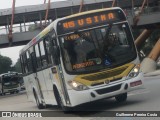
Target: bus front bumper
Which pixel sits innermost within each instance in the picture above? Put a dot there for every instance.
(11, 90)
(107, 91)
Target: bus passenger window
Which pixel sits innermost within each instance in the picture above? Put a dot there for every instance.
(25, 63)
(29, 62)
(43, 54)
(47, 48)
(22, 64)
(38, 56)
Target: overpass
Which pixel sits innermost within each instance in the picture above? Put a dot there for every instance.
(30, 20)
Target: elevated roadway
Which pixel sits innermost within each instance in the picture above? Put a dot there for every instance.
(28, 20)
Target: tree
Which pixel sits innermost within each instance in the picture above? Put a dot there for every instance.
(5, 64)
(17, 66)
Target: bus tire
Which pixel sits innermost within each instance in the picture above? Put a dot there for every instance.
(121, 97)
(60, 102)
(17, 91)
(39, 105)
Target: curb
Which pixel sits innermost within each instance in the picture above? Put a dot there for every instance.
(154, 73)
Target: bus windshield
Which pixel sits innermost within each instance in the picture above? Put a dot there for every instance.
(98, 48)
(11, 80)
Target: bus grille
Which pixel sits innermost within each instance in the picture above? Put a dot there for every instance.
(109, 89)
(104, 75)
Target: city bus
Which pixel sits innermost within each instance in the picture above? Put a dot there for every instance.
(10, 83)
(82, 58)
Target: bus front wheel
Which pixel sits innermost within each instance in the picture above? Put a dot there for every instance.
(60, 102)
(121, 97)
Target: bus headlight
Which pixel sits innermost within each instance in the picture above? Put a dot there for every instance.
(77, 86)
(134, 72)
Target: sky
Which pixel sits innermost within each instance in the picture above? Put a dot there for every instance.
(13, 52)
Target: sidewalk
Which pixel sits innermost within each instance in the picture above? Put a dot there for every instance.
(154, 73)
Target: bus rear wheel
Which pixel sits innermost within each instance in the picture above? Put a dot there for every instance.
(121, 97)
(39, 105)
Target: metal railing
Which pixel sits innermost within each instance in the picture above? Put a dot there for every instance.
(23, 28)
(146, 11)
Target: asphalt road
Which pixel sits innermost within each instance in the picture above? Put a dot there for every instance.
(146, 99)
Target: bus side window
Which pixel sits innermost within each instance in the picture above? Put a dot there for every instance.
(22, 64)
(25, 63)
(29, 62)
(38, 56)
(43, 54)
(52, 45)
(52, 36)
(47, 45)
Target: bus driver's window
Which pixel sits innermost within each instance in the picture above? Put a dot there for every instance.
(68, 52)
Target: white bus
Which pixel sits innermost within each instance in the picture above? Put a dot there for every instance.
(10, 83)
(82, 58)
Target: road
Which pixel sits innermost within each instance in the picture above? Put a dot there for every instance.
(146, 99)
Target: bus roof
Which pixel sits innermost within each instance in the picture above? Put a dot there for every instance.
(92, 11)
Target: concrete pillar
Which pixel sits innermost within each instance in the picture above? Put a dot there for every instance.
(141, 39)
(155, 53)
(149, 63)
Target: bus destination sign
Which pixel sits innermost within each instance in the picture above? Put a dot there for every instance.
(88, 20)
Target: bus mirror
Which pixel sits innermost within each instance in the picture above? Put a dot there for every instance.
(34, 63)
